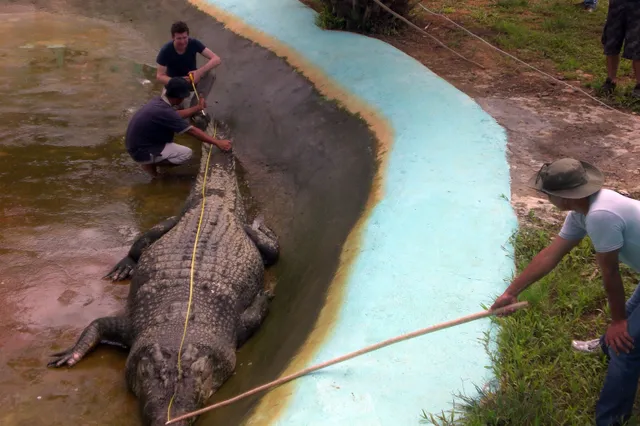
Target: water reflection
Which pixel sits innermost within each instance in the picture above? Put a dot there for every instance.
(71, 202)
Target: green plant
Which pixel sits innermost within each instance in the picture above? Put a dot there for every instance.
(362, 15)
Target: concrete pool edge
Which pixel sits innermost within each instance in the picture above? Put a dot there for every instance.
(272, 401)
(271, 406)
(312, 201)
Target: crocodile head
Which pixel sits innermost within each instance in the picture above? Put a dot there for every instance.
(159, 386)
(201, 121)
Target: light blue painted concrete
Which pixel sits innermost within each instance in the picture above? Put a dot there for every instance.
(432, 248)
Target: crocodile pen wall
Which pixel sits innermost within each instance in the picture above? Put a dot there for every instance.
(309, 165)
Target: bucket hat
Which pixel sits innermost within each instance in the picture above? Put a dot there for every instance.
(568, 178)
(178, 88)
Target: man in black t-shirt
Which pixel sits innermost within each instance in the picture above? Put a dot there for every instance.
(149, 137)
(177, 58)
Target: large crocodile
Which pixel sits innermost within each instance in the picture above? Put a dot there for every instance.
(228, 301)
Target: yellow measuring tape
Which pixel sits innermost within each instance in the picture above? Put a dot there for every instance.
(193, 262)
(193, 84)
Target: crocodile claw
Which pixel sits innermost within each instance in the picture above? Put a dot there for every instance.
(66, 357)
(257, 223)
(122, 270)
(269, 293)
(201, 121)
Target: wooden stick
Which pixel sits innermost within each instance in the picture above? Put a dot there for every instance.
(343, 358)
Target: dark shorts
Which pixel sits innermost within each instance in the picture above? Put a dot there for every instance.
(622, 27)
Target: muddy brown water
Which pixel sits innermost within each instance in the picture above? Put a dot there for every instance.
(72, 202)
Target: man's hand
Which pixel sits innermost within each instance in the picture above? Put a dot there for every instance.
(541, 264)
(224, 144)
(202, 104)
(191, 111)
(618, 338)
(504, 300)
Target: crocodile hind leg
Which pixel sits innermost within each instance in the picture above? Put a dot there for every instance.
(124, 268)
(265, 239)
(114, 330)
(253, 316)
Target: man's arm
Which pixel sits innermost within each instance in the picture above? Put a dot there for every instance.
(617, 335)
(170, 119)
(188, 112)
(161, 70)
(610, 269)
(606, 230)
(543, 263)
(223, 144)
(161, 74)
(214, 61)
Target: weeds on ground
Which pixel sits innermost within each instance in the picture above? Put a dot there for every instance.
(540, 379)
(557, 32)
(326, 20)
(555, 35)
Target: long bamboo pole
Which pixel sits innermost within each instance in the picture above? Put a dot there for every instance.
(278, 382)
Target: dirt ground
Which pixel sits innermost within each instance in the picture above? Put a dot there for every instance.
(544, 119)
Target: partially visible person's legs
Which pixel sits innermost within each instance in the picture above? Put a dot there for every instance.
(632, 42)
(172, 155)
(203, 87)
(150, 168)
(613, 62)
(613, 36)
(633, 302)
(189, 101)
(620, 386)
(175, 154)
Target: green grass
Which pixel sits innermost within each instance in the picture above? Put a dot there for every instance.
(326, 20)
(540, 379)
(554, 33)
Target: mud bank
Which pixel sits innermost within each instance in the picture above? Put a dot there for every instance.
(309, 166)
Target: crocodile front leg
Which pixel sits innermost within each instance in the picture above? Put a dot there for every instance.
(110, 329)
(265, 239)
(124, 268)
(253, 316)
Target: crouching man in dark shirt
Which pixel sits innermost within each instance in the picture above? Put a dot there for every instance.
(177, 58)
(149, 137)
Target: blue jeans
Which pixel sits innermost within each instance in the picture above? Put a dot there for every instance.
(621, 382)
(593, 3)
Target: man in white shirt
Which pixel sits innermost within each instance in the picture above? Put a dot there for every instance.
(612, 221)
